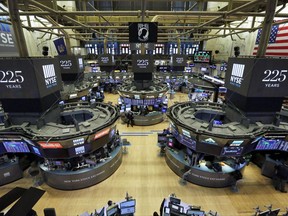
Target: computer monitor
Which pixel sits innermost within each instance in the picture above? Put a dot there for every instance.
(112, 211)
(174, 200)
(128, 203)
(191, 212)
(177, 214)
(176, 208)
(127, 211)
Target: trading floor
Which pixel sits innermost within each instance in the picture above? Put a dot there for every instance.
(145, 175)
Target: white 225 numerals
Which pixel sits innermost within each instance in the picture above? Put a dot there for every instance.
(275, 76)
(11, 77)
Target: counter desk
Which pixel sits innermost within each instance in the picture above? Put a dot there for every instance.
(84, 177)
(151, 118)
(10, 171)
(201, 174)
(179, 208)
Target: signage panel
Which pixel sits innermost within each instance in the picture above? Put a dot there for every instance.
(106, 60)
(263, 77)
(202, 57)
(48, 76)
(238, 75)
(7, 41)
(143, 32)
(101, 133)
(179, 60)
(142, 63)
(50, 145)
(137, 46)
(269, 78)
(28, 78)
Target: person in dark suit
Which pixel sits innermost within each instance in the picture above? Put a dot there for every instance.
(281, 177)
(130, 119)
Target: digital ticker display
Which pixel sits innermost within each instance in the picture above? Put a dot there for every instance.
(272, 144)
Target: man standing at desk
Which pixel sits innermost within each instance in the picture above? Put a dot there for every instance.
(281, 176)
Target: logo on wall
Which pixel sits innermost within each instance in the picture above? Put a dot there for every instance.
(49, 75)
(237, 74)
(143, 32)
(7, 43)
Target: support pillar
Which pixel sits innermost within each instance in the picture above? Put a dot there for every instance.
(266, 30)
(17, 27)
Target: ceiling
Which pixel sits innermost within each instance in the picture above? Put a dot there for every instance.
(176, 19)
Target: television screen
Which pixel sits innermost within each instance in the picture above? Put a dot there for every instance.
(16, 146)
(171, 142)
(222, 89)
(164, 109)
(175, 200)
(217, 122)
(36, 150)
(80, 150)
(58, 163)
(203, 69)
(202, 57)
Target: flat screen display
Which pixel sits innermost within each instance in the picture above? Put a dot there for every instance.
(203, 69)
(202, 57)
(269, 144)
(80, 150)
(191, 212)
(36, 150)
(127, 211)
(112, 211)
(16, 146)
(128, 203)
(175, 200)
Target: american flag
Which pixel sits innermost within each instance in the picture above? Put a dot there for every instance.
(278, 41)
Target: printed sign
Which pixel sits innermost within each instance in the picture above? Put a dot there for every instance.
(143, 32)
(7, 41)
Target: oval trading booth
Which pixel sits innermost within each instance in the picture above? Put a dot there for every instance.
(148, 106)
(172, 205)
(210, 144)
(126, 207)
(143, 101)
(77, 144)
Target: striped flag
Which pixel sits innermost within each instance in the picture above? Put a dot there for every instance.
(278, 41)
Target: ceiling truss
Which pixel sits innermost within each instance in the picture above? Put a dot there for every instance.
(172, 25)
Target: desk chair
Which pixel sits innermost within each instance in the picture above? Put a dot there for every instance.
(34, 172)
(49, 212)
(125, 144)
